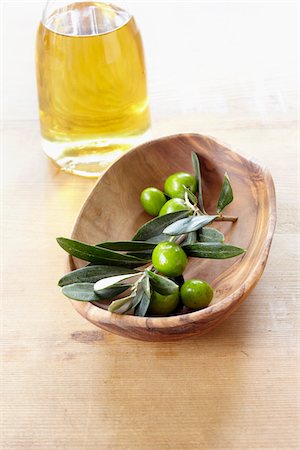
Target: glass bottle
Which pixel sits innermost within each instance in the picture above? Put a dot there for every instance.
(91, 84)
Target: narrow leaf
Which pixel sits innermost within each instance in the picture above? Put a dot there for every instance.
(156, 226)
(214, 250)
(159, 238)
(210, 235)
(98, 255)
(138, 297)
(191, 237)
(161, 284)
(143, 306)
(147, 254)
(112, 291)
(83, 292)
(226, 195)
(191, 195)
(146, 285)
(121, 305)
(91, 274)
(128, 246)
(188, 224)
(110, 281)
(197, 171)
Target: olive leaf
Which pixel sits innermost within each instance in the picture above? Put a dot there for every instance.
(197, 171)
(146, 285)
(156, 226)
(144, 296)
(226, 195)
(111, 281)
(158, 238)
(188, 224)
(191, 195)
(161, 284)
(128, 246)
(91, 274)
(212, 250)
(112, 291)
(138, 297)
(145, 255)
(209, 235)
(83, 292)
(191, 237)
(98, 255)
(121, 305)
(128, 303)
(143, 305)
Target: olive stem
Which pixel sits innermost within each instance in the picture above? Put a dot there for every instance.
(220, 218)
(226, 218)
(180, 238)
(192, 207)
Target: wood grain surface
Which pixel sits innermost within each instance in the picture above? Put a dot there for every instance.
(149, 165)
(66, 385)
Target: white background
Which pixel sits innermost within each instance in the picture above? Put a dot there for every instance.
(243, 57)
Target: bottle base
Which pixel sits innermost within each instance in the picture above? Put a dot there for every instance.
(90, 158)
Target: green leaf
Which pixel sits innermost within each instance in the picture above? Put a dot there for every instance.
(143, 306)
(127, 246)
(197, 171)
(98, 255)
(110, 281)
(210, 235)
(146, 285)
(214, 250)
(91, 274)
(138, 297)
(147, 254)
(143, 297)
(161, 284)
(112, 291)
(191, 238)
(191, 195)
(83, 292)
(121, 305)
(156, 226)
(188, 224)
(159, 238)
(226, 195)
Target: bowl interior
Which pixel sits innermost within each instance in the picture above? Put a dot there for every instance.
(113, 210)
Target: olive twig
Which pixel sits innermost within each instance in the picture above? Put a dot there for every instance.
(181, 238)
(222, 218)
(192, 207)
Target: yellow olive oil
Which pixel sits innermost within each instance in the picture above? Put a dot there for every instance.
(91, 85)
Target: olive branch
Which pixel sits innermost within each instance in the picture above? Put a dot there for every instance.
(122, 273)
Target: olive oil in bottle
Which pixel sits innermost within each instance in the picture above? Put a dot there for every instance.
(91, 85)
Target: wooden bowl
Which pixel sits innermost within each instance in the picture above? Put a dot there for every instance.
(113, 212)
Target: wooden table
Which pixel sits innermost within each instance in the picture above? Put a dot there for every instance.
(69, 386)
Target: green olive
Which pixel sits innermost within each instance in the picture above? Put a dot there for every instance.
(162, 305)
(169, 259)
(196, 294)
(152, 200)
(175, 204)
(174, 184)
